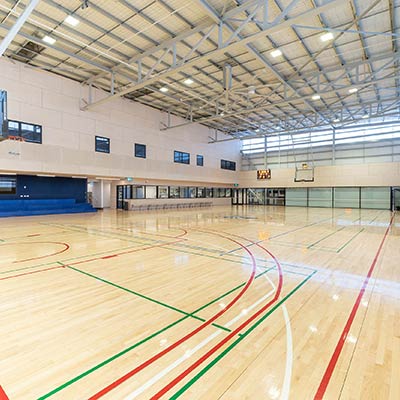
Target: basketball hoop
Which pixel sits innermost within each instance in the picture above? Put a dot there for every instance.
(16, 138)
(304, 174)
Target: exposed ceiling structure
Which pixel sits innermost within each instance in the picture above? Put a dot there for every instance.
(245, 68)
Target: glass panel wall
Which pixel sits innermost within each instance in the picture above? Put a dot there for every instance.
(201, 192)
(151, 192)
(375, 197)
(346, 197)
(296, 197)
(163, 192)
(320, 197)
(137, 192)
(256, 197)
(174, 192)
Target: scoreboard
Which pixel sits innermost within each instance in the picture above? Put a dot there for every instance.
(264, 174)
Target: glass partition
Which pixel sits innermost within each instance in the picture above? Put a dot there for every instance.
(375, 197)
(296, 197)
(320, 197)
(137, 192)
(192, 192)
(347, 198)
(151, 192)
(163, 192)
(201, 192)
(174, 192)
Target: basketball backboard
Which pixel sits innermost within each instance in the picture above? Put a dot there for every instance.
(3, 115)
(304, 175)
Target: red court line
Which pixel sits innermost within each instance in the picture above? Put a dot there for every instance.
(107, 257)
(182, 234)
(155, 234)
(168, 349)
(339, 346)
(30, 273)
(66, 247)
(126, 252)
(231, 335)
(3, 395)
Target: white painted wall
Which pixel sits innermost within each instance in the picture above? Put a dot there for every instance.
(382, 174)
(68, 134)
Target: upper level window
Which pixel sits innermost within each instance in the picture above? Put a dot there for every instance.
(29, 132)
(200, 160)
(231, 165)
(140, 150)
(182, 158)
(102, 144)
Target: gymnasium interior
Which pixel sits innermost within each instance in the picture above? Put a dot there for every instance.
(200, 199)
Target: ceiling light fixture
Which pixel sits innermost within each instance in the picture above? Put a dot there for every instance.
(70, 20)
(326, 37)
(366, 115)
(164, 89)
(353, 90)
(49, 40)
(276, 53)
(316, 97)
(188, 81)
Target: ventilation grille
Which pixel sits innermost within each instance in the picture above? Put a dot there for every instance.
(28, 52)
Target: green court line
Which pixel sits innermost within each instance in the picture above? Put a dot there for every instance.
(238, 340)
(349, 241)
(325, 237)
(160, 303)
(172, 249)
(128, 349)
(68, 259)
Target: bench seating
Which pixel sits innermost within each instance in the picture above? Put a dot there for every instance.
(168, 206)
(14, 208)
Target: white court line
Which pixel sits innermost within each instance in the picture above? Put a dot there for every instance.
(189, 353)
(289, 351)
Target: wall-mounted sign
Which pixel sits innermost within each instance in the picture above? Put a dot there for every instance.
(264, 174)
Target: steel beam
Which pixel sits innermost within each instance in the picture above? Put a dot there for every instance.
(17, 26)
(221, 48)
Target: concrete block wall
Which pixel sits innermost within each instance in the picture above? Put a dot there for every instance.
(379, 174)
(69, 134)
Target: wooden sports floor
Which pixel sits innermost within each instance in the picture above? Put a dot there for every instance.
(223, 303)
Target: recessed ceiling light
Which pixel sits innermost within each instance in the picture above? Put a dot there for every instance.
(366, 115)
(222, 114)
(164, 89)
(336, 119)
(316, 97)
(49, 40)
(276, 53)
(188, 81)
(326, 37)
(70, 20)
(353, 90)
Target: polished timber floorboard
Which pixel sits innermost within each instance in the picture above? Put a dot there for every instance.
(224, 303)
